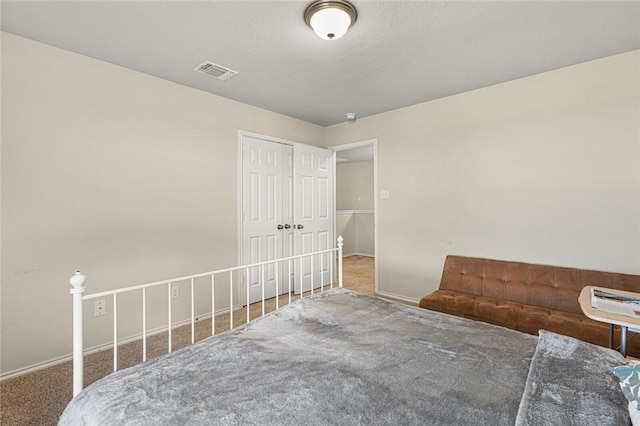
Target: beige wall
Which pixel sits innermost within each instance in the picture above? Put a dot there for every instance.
(357, 229)
(354, 185)
(131, 178)
(124, 176)
(346, 228)
(544, 169)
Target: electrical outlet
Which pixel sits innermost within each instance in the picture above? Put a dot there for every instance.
(99, 308)
(384, 193)
(175, 292)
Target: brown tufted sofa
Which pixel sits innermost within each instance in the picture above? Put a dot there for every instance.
(526, 297)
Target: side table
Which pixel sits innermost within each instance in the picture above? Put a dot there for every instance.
(623, 321)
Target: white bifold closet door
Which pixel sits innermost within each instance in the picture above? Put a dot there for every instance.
(287, 209)
(313, 214)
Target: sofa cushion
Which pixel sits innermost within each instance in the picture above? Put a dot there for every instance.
(526, 297)
(522, 317)
(550, 287)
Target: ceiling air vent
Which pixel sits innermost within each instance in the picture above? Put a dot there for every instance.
(215, 70)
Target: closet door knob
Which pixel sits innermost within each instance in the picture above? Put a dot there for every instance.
(280, 227)
(298, 226)
(287, 226)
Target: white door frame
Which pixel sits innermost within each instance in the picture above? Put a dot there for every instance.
(360, 144)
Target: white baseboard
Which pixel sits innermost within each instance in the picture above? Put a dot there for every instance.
(357, 254)
(103, 347)
(398, 297)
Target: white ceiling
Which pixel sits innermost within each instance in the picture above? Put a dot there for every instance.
(398, 53)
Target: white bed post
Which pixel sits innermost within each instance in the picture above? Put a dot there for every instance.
(340, 244)
(77, 282)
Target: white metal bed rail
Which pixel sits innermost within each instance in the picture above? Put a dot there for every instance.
(78, 280)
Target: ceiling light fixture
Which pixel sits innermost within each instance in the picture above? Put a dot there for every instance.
(330, 19)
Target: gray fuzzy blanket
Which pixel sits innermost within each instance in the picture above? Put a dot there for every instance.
(333, 358)
(570, 383)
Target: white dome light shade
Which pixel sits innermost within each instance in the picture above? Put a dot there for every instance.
(330, 24)
(330, 19)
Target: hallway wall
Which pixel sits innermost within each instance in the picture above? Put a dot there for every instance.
(354, 205)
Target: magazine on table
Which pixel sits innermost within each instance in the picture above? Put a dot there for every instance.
(615, 303)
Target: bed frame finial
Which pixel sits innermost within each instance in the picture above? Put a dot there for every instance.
(77, 283)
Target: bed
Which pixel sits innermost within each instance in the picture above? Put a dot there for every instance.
(339, 357)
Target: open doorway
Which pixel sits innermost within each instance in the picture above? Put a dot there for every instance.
(356, 208)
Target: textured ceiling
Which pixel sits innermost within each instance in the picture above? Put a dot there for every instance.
(398, 53)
